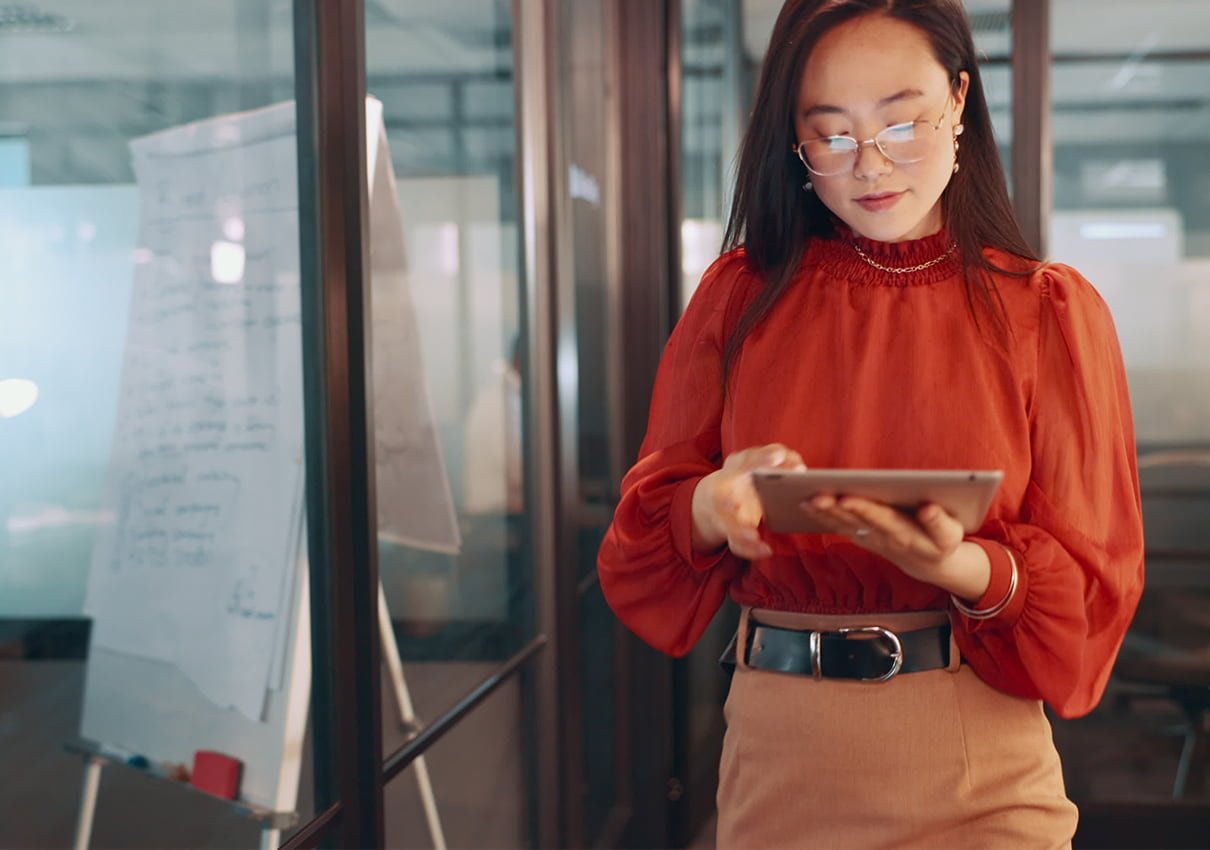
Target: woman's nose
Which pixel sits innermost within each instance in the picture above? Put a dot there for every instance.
(871, 162)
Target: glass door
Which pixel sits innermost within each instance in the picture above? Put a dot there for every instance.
(451, 343)
(589, 133)
(1131, 142)
(152, 427)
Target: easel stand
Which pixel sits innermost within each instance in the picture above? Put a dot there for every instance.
(407, 717)
(96, 757)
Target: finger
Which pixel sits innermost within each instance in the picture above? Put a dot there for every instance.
(828, 506)
(825, 518)
(862, 531)
(771, 455)
(939, 525)
(842, 520)
(746, 542)
(742, 532)
(838, 516)
(751, 551)
(867, 511)
(822, 502)
(884, 519)
(792, 460)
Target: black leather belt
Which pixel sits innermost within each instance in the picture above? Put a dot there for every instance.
(866, 653)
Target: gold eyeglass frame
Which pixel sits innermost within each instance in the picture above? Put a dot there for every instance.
(797, 148)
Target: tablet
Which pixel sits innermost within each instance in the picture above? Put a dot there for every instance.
(965, 494)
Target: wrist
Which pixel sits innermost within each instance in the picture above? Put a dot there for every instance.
(707, 537)
(966, 572)
(1003, 589)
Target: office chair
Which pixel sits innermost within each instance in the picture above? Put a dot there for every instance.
(1168, 645)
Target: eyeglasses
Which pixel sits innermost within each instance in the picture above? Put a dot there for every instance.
(900, 143)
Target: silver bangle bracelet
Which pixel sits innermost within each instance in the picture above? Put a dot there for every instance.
(998, 608)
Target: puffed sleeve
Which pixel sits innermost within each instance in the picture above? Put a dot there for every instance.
(655, 583)
(1079, 542)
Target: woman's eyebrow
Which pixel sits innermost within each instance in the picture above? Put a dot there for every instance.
(829, 109)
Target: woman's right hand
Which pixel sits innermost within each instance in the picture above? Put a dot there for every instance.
(726, 508)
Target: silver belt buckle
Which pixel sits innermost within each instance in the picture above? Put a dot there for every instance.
(896, 650)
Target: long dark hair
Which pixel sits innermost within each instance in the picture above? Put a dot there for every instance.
(773, 218)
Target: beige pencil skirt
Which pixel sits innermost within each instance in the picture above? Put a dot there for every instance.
(934, 759)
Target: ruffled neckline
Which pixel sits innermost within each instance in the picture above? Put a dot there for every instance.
(840, 253)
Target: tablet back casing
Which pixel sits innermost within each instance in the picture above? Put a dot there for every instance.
(965, 494)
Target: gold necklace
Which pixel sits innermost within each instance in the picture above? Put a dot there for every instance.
(904, 269)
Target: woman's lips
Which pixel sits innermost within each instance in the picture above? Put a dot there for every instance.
(880, 201)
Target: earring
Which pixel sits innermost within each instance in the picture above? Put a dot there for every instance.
(957, 132)
(808, 186)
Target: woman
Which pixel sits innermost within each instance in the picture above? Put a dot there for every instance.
(879, 309)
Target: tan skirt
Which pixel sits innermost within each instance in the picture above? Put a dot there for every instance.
(935, 759)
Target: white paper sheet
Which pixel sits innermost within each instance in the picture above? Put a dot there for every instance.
(415, 507)
(206, 474)
(206, 470)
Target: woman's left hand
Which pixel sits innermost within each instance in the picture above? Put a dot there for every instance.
(922, 547)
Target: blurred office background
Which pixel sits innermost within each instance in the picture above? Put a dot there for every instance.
(562, 171)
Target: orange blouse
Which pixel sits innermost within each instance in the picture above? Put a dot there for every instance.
(857, 367)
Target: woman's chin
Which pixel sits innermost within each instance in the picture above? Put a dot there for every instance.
(890, 226)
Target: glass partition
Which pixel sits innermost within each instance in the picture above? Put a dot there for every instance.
(1131, 128)
(150, 419)
(589, 102)
(444, 75)
(991, 24)
(477, 794)
(720, 57)
(453, 557)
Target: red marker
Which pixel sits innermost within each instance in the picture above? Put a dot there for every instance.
(216, 774)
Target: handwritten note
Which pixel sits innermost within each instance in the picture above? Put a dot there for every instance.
(206, 474)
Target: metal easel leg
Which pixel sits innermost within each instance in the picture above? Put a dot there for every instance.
(88, 802)
(407, 717)
(270, 838)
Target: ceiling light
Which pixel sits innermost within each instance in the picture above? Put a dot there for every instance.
(17, 395)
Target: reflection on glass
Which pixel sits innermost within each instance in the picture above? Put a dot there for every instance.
(478, 783)
(991, 25)
(588, 100)
(722, 45)
(709, 106)
(444, 76)
(17, 395)
(1132, 164)
(150, 413)
(443, 73)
